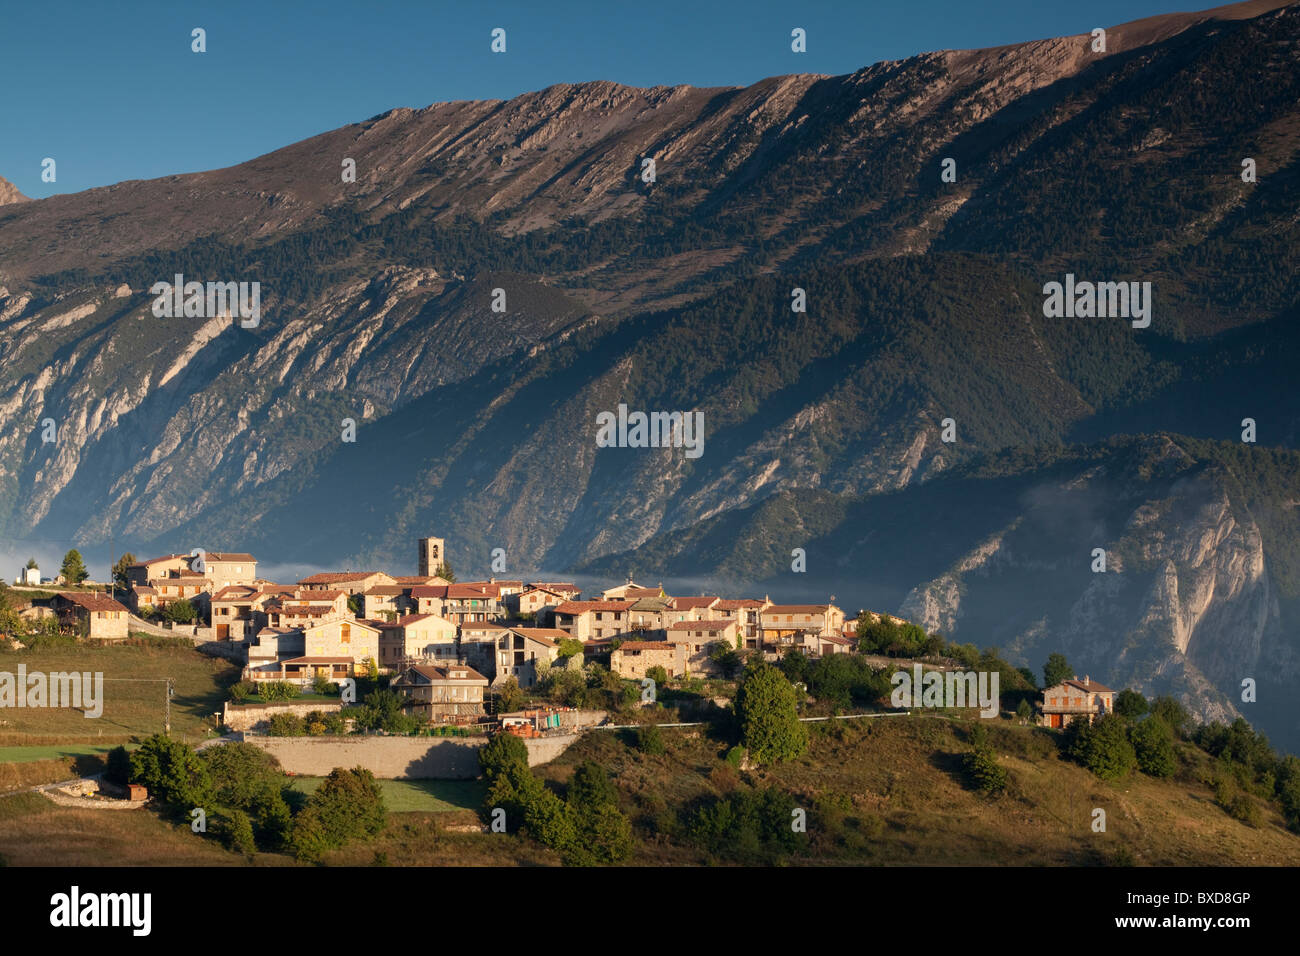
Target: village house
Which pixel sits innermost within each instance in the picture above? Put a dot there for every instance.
(698, 638)
(424, 637)
(142, 572)
(631, 591)
(649, 614)
(453, 692)
(693, 609)
(385, 601)
(537, 602)
(232, 611)
(458, 603)
(93, 615)
(745, 612)
(349, 582)
(799, 626)
(520, 648)
(1075, 698)
(588, 620)
(476, 644)
(224, 569)
(633, 659)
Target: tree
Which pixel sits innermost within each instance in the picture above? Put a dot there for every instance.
(503, 755)
(285, 724)
(31, 564)
(118, 766)
(347, 805)
(1056, 670)
(1107, 751)
(766, 706)
(1153, 743)
(658, 675)
(1129, 703)
(568, 647)
(181, 611)
(726, 658)
(1172, 713)
(510, 695)
(120, 569)
(73, 568)
(173, 774)
(354, 604)
(445, 572)
(591, 786)
(385, 710)
(1024, 711)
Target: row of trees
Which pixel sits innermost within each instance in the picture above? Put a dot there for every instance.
(243, 798)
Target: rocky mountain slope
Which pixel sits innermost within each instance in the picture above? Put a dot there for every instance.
(924, 304)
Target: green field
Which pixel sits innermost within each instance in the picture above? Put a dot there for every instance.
(417, 796)
(51, 752)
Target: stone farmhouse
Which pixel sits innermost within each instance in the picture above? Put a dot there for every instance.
(1075, 698)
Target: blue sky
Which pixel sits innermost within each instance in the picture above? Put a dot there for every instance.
(112, 91)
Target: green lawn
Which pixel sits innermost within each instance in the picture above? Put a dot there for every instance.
(53, 752)
(417, 796)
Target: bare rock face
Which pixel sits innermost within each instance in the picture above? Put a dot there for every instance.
(9, 193)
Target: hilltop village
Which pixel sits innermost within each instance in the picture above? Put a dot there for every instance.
(445, 645)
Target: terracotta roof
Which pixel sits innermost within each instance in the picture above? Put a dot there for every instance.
(736, 605)
(334, 577)
(409, 579)
(1088, 686)
(577, 607)
(165, 557)
(549, 636)
(235, 592)
(556, 586)
(698, 625)
(386, 589)
(687, 603)
(318, 660)
(634, 592)
(796, 609)
(144, 589)
(230, 556)
(836, 639)
(645, 646)
(434, 673)
(92, 601)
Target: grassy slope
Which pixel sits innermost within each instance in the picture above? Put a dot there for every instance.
(909, 807)
(130, 709)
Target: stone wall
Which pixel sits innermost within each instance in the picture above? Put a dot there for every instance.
(255, 716)
(417, 758)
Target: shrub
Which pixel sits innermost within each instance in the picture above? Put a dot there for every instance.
(347, 805)
(1131, 704)
(240, 691)
(650, 740)
(736, 756)
(276, 690)
(1107, 751)
(173, 774)
(235, 831)
(285, 724)
(503, 755)
(984, 772)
